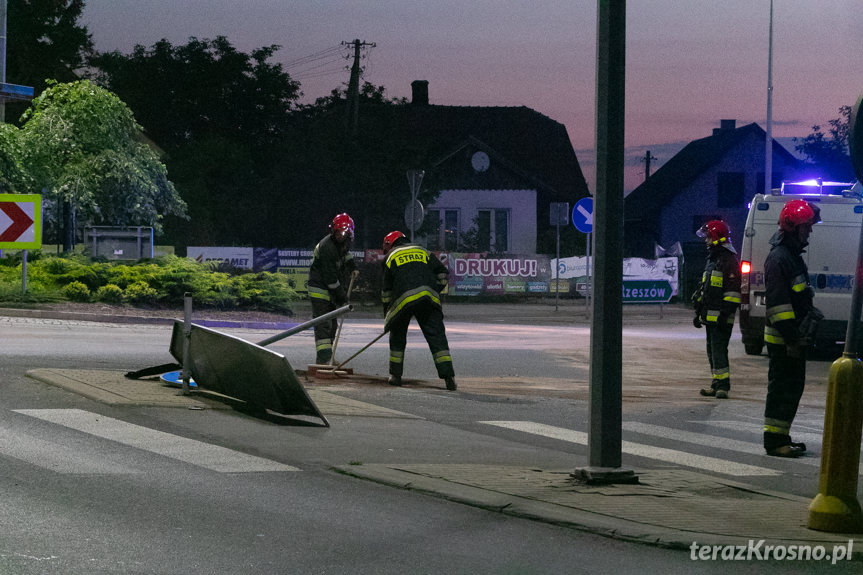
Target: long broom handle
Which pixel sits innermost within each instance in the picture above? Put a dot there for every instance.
(341, 321)
(368, 345)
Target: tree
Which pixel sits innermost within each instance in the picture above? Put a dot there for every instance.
(83, 146)
(828, 153)
(44, 41)
(221, 116)
(14, 178)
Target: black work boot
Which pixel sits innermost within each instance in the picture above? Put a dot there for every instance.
(450, 383)
(395, 380)
(709, 392)
(790, 450)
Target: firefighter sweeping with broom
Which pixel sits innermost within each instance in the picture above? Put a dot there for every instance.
(331, 262)
(412, 282)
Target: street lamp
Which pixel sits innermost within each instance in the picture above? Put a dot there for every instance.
(768, 149)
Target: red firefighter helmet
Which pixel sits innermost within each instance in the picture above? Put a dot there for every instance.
(390, 239)
(798, 212)
(343, 223)
(716, 232)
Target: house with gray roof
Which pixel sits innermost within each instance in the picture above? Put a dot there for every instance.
(494, 171)
(711, 178)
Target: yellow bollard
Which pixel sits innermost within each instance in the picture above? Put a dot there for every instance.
(835, 508)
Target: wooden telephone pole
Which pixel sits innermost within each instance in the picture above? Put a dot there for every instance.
(354, 87)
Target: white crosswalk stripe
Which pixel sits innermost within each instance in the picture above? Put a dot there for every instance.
(191, 451)
(713, 464)
(54, 456)
(713, 441)
(809, 438)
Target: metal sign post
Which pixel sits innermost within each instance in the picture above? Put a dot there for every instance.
(559, 214)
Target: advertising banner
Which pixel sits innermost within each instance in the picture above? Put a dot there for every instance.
(634, 269)
(473, 274)
(235, 256)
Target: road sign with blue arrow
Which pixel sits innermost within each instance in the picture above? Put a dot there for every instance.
(582, 215)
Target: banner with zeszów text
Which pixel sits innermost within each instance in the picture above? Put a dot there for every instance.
(634, 269)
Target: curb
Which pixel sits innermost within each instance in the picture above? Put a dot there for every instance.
(137, 319)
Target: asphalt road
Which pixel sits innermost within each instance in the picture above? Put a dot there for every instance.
(120, 507)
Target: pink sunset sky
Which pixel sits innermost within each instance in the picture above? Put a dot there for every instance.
(689, 63)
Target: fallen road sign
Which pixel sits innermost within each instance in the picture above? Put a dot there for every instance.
(20, 221)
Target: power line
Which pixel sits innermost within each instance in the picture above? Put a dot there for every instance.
(328, 52)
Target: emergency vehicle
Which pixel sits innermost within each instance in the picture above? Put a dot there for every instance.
(831, 256)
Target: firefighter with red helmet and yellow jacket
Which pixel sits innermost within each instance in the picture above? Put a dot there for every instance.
(716, 301)
(412, 282)
(791, 319)
(331, 263)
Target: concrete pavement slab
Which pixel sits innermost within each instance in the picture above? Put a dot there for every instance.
(113, 388)
(669, 507)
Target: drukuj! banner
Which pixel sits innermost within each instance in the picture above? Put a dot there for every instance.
(473, 274)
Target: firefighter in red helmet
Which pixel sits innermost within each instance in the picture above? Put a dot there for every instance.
(716, 301)
(331, 263)
(791, 319)
(412, 282)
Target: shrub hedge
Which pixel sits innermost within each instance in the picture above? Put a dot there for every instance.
(159, 282)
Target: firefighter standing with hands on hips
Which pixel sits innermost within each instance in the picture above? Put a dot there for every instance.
(791, 321)
(331, 262)
(716, 301)
(412, 282)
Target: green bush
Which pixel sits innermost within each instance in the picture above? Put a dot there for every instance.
(162, 281)
(76, 291)
(140, 293)
(109, 293)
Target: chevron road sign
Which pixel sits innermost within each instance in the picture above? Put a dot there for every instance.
(20, 221)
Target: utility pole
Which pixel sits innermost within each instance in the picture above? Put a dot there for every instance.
(354, 87)
(647, 158)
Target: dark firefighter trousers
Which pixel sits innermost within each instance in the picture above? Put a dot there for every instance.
(718, 336)
(786, 377)
(430, 318)
(324, 332)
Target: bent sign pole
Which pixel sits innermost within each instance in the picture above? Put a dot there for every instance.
(21, 225)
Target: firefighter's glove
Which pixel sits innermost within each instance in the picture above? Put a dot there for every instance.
(696, 321)
(340, 297)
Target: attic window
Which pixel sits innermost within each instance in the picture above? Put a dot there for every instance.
(729, 189)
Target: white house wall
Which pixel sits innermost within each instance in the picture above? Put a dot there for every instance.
(521, 203)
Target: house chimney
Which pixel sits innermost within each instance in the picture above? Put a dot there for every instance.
(420, 92)
(725, 126)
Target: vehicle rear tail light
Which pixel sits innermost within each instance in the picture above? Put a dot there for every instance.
(745, 267)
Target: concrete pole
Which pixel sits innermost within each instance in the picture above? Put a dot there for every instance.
(606, 333)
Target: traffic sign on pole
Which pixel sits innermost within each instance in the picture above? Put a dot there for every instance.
(582, 215)
(646, 291)
(21, 221)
